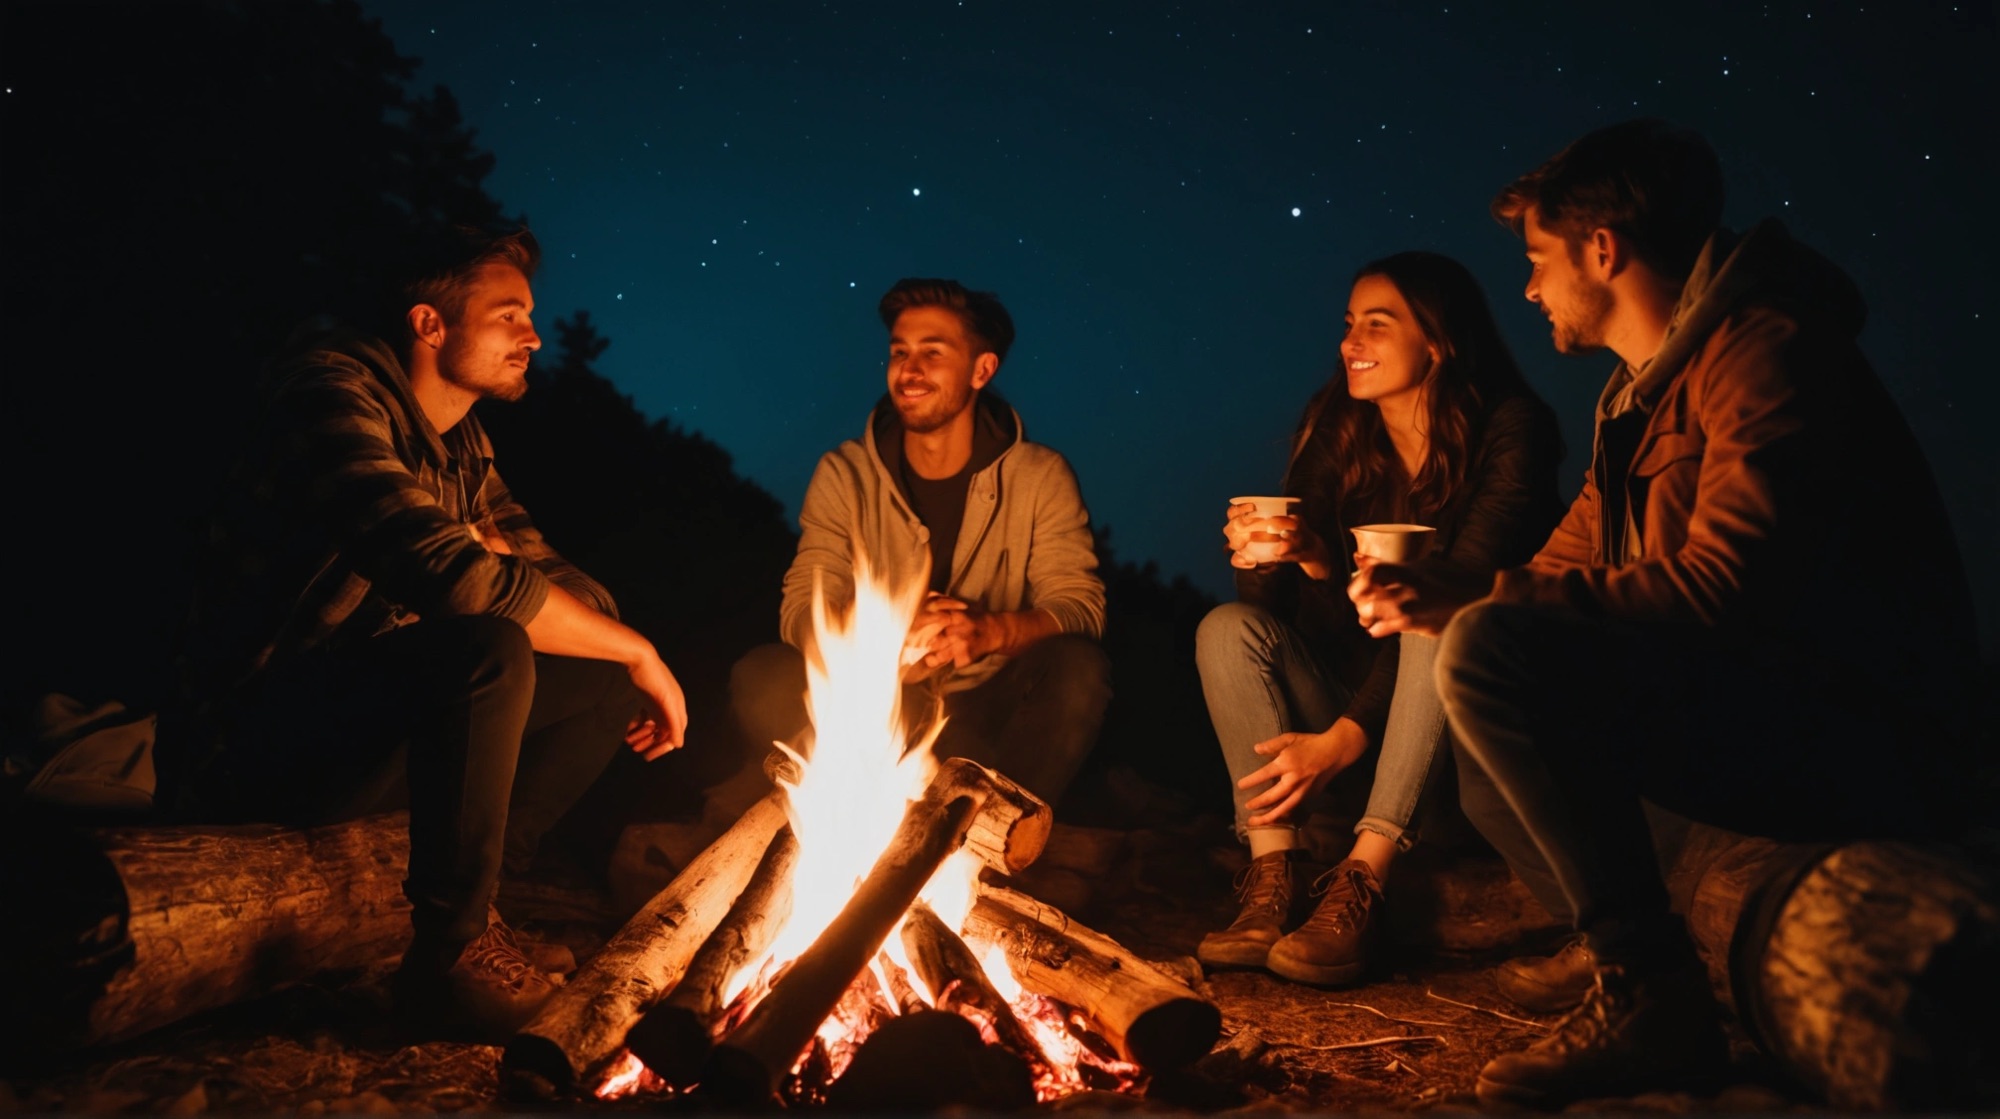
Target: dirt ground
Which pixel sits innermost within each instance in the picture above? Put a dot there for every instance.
(1410, 1038)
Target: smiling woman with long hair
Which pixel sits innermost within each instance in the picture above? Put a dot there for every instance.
(1428, 422)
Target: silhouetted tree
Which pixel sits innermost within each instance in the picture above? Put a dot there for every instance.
(184, 183)
(1158, 723)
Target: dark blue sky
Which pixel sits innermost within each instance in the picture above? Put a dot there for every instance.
(1171, 199)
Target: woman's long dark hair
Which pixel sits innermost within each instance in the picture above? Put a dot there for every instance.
(1474, 371)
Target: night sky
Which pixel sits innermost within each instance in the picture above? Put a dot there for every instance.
(1171, 200)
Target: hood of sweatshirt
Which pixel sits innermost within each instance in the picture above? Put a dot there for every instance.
(1763, 267)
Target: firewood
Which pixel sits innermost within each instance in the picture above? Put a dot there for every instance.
(1866, 970)
(957, 980)
(908, 1001)
(584, 1025)
(1153, 1019)
(114, 932)
(673, 1038)
(965, 802)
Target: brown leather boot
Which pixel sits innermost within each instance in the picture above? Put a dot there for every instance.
(1549, 984)
(1269, 889)
(554, 959)
(1331, 948)
(1632, 1033)
(488, 990)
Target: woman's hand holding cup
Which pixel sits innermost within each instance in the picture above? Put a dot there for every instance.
(1263, 530)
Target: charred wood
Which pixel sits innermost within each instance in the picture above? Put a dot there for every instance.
(673, 1038)
(964, 800)
(957, 980)
(1153, 1019)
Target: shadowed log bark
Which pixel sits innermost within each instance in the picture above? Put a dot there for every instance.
(114, 932)
(1866, 970)
(571, 1040)
(674, 1037)
(1153, 1019)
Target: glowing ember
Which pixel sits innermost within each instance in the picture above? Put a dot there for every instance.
(1051, 1027)
(627, 1075)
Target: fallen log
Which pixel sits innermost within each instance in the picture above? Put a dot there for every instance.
(1865, 970)
(582, 1028)
(115, 932)
(966, 805)
(674, 1037)
(957, 980)
(1154, 1020)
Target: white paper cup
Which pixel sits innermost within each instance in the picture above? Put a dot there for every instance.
(1393, 543)
(1264, 551)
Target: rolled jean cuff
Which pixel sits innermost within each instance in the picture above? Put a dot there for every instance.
(1403, 837)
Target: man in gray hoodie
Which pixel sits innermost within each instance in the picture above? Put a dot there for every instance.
(943, 488)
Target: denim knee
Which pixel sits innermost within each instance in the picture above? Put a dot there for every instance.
(1231, 632)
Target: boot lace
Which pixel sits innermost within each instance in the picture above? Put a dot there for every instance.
(1265, 888)
(1344, 895)
(498, 954)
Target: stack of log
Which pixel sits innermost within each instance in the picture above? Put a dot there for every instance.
(621, 1000)
(1864, 970)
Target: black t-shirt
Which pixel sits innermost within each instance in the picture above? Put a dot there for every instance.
(940, 504)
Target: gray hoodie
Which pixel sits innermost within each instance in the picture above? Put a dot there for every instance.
(1025, 542)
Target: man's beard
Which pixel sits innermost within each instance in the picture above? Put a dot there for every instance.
(1580, 330)
(934, 411)
(455, 370)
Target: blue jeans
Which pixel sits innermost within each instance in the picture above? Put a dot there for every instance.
(1261, 681)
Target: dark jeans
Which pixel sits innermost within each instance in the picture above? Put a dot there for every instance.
(485, 742)
(1565, 722)
(1035, 720)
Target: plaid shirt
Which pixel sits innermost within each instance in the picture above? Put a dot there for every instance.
(351, 516)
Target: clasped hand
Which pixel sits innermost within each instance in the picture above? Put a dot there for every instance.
(948, 631)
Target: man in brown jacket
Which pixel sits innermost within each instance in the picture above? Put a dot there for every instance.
(1708, 628)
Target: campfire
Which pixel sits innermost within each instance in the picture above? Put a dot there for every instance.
(850, 902)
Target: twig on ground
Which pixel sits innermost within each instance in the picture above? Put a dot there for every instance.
(1393, 1018)
(1369, 1044)
(1428, 993)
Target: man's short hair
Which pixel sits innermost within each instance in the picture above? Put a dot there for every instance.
(1649, 181)
(985, 320)
(444, 272)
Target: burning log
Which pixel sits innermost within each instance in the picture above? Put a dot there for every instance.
(957, 980)
(115, 932)
(966, 805)
(674, 1037)
(585, 1024)
(1864, 969)
(908, 1001)
(1154, 1020)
